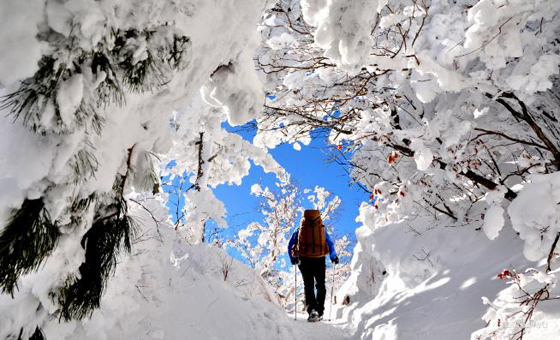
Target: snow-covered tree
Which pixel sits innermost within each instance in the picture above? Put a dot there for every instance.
(442, 110)
(221, 157)
(93, 95)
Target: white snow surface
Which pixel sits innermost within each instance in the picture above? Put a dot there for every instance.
(20, 49)
(343, 29)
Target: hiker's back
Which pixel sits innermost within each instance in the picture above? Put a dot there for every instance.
(311, 239)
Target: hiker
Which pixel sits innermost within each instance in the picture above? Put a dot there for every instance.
(307, 248)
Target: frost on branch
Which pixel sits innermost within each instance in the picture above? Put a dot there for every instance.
(205, 156)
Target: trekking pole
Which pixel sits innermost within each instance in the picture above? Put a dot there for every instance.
(332, 289)
(295, 293)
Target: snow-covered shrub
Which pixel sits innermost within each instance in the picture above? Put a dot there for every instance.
(524, 308)
(518, 311)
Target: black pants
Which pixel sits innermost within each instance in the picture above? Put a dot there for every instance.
(313, 272)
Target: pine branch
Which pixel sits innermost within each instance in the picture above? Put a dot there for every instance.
(27, 240)
(111, 231)
(114, 62)
(109, 91)
(36, 94)
(38, 334)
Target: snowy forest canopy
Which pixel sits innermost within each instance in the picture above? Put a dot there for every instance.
(446, 112)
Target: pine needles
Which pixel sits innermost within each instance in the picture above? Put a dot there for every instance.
(112, 230)
(139, 60)
(38, 334)
(84, 163)
(109, 91)
(25, 242)
(35, 94)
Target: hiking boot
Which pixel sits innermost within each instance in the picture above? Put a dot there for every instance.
(313, 316)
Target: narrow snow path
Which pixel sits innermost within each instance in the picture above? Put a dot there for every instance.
(322, 330)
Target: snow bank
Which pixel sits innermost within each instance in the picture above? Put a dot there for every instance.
(416, 279)
(166, 290)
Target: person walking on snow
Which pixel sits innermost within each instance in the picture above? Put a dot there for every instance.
(307, 248)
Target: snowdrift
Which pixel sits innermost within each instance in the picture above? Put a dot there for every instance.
(416, 279)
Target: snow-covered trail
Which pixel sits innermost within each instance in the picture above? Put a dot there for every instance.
(323, 330)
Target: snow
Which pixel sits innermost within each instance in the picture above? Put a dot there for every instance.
(535, 215)
(256, 189)
(69, 97)
(20, 49)
(17, 141)
(413, 280)
(59, 18)
(479, 113)
(422, 155)
(236, 87)
(281, 41)
(343, 29)
(538, 76)
(493, 221)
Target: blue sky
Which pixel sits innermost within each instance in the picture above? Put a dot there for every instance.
(308, 167)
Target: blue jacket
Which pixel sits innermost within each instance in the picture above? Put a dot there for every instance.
(293, 240)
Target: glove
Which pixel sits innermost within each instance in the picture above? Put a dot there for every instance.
(295, 261)
(335, 260)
